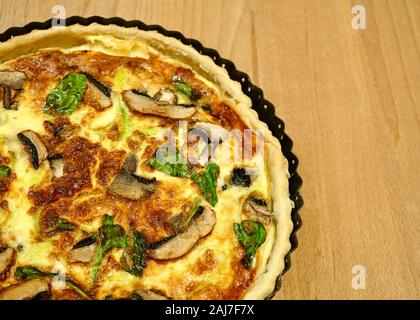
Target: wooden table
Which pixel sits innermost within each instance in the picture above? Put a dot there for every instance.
(351, 102)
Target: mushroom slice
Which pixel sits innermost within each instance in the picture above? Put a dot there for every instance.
(185, 241)
(98, 92)
(97, 96)
(144, 104)
(12, 79)
(57, 165)
(146, 294)
(84, 251)
(7, 99)
(7, 256)
(165, 96)
(130, 163)
(132, 187)
(256, 208)
(25, 290)
(37, 150)
(101, 87)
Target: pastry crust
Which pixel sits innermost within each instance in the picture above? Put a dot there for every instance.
(277, 166)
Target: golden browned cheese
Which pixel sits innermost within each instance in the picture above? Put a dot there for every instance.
(94, 143)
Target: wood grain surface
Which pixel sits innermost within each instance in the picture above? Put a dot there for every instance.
(351, 103)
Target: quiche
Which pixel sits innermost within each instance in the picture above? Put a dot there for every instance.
(133, 167)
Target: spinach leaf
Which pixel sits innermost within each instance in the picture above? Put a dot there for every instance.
(113, 236)
(76, 288)
(29, 272)
(64, 225)
(207, 182)
(4, 172)
(183, 88)
(133, 258)
(174, 168)
(251, 235)
(66, 96)
(193, 212)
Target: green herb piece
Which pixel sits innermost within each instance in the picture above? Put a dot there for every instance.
(133, 258)
(251, 235)
(4, 172)
(29, 272)
(113, 236)
(126, 122)
(207, 182)
(66, 96)
(64, 225)
(121, 78)
(183, 88)
(173, 168)
(191, 215)
(76, 288)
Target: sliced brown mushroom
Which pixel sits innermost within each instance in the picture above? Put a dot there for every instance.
(7, 99)
(165, 96)
(57, 165)
(256, 208)
(97, 96)
(25, 290)
(7, 257)
(35, 147)
(100, 98)
(103, 88)
(185, 241)
(146, 294)
(130, 163)
(144, 104)
(12, 79)
(84, 251)
(132, 187)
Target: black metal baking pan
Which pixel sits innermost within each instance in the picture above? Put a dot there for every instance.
(264, 108)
